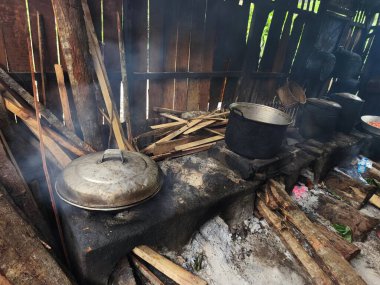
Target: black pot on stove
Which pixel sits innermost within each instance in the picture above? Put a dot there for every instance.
(318, 118)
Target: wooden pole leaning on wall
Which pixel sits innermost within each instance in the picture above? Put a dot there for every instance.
(124, 78)
(105, 86)
(41, 51)
(43, 156)
(74, 44)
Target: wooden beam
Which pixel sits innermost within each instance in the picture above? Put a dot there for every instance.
(10, 84)
(75, 49)
(105, 86)
(64, 98)
(204, 75)
(167, 267)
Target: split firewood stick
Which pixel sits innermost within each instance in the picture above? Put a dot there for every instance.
(168, 125)
(316, 273)
(199, 126)
(167, 267)
(339, 268)
(175, 154)
(4, 280)
(200, 142)
(215, 132)
(146, 272)
(64, 98)
(172, 117)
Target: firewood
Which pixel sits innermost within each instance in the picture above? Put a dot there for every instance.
(164, 147)
(347, 249)
(199, 126)
(146, 272)
(168, 125)
(339, 268)
(199, 142)
(175, 118)
(175, 154)
(167, 267)
(316, 273)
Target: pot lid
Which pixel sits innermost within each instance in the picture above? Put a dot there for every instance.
(109, 180)
(348, 96)
(323, 103)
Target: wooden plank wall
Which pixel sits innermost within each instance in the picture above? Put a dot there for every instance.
(193, 36)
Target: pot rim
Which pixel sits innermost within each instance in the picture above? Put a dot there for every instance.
(234, 106)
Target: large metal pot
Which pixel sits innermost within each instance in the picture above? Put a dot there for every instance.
(352, 106)
(365, 124)
(256, 131)
(318, 118)
(110, 180)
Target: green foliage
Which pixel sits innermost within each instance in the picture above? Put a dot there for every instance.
(344, 231)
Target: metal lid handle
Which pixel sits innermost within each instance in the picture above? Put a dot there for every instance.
(112, 154)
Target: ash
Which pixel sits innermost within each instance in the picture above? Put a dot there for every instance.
(249, 253)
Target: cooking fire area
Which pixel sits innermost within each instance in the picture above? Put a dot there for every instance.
(189, 142)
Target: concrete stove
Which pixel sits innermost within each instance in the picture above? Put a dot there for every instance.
(195, 189)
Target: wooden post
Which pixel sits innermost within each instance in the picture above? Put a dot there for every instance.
(74, 44)
(41, 51)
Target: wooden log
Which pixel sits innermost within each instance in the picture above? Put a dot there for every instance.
(75, 49)
(198, 143)
(64, 98)
(339, 268)
(146, 272)
(105, 86)
(317, 275)
(347, 249)
(167, 267)
(24, 259)
(9, 83)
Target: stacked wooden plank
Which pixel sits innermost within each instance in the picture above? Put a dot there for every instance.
(325, 256)
(186, 136)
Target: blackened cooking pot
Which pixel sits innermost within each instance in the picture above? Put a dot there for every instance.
(256, 131)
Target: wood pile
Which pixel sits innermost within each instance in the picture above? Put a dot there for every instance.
(185, 136)
(326, 254)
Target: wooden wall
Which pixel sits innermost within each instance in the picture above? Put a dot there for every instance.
(192, 54)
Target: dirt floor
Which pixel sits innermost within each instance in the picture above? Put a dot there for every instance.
(252, 253)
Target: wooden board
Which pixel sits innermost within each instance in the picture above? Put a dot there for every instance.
(135, 13)
(170, 269)
(156, 54)
(197, 42)
(183, 52)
